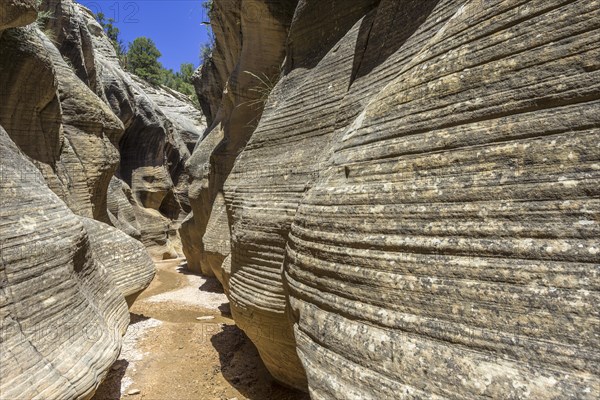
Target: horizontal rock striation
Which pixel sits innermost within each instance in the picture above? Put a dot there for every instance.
(76, 130)
(416, 213)
(275, 170)
(68, 132)
(65, 274)
(450, 248)
(161, 128)
(131, 267)
(62, 315)
(120, 208)
(217, 245)
(233, 86)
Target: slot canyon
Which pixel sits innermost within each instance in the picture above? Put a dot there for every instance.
(362, 199)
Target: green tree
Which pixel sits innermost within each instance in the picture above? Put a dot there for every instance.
(142, 60)
(186, 71)
(205, 52)
(181, 81)
(209, 6)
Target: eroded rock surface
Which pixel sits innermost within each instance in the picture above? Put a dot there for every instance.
(420, 199)
(67, 131)
(62, 313)
(65, 274)
(450, 248)
(161, 128)
(17, 13)
(58, 121)
(232, 87)
(131, 266)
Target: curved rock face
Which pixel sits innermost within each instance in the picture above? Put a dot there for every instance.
(76, 132)
(416, 213)
(232, 87)
(158, 140)
(450, 249)
(131, 267)
(120, 208)
(62, 314)
(69, 134)
(161, 129)
(64, 277)
(273, 173)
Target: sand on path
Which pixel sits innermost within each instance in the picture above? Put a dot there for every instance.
(183, 345)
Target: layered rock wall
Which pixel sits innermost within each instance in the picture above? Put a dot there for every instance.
(161, 128)
(58, 121)
(416, 214)
(450, 248)
(62, 312)
(65, 274)
(233, 87)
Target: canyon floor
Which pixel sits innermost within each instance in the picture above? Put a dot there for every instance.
(182, 344)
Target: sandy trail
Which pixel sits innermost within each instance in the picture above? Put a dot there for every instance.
(182, 344)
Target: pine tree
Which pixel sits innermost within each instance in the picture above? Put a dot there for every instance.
(142, 60)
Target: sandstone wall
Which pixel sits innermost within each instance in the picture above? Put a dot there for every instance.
(58, 121)
(62, 313)
(161, 128)
(276, 169)
(232, 87)
(67, 131)
(450, 248)
(416, 213)
(65, 274)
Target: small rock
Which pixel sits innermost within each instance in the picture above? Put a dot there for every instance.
(133, 392)
(209, 317)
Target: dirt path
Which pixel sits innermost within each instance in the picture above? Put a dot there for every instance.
(182, 344)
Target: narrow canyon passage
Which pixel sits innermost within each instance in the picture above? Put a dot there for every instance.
(183, 344)
(354, 199)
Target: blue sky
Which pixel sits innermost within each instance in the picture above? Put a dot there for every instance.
(174, 25)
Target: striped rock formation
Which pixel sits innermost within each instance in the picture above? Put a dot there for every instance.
(161, 128)
(131, 266)
(232, 88)
(68, 132)
(65, 274)
(62, 315)
(275, 170)
(416, 214)
(450, 247)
